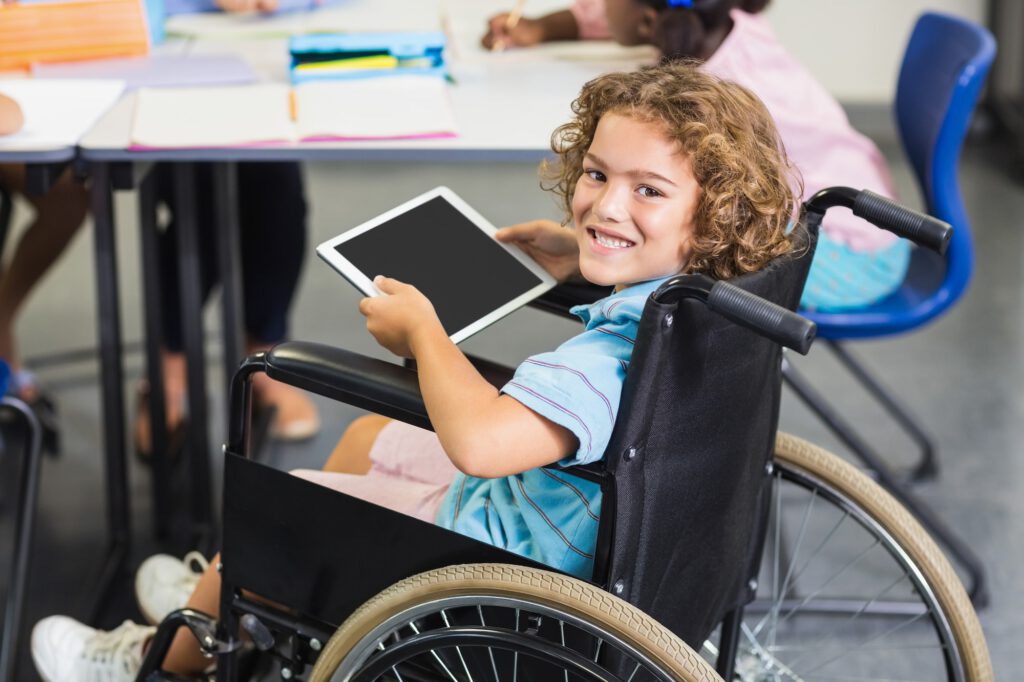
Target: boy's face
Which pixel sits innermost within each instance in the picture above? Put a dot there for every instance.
(634, 205)
(630, 22)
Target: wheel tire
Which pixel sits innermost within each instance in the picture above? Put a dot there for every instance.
(797, 454)
(568, 595)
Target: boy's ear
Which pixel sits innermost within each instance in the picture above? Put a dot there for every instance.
(648, 20)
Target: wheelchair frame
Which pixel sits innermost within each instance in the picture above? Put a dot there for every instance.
(385, 389)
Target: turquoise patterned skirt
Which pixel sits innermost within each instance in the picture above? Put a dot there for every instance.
(841, 279)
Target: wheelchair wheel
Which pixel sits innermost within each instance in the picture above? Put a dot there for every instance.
(496, 622)
(851, 586)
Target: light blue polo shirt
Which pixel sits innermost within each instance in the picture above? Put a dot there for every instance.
(545, 514)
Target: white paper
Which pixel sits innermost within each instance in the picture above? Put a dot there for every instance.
(57, 112)
(374, 108)
(212, 117)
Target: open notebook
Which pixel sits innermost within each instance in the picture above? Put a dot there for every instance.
(366, 109)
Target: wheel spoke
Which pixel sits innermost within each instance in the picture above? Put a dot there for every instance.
(436, 657)
(561, 629)
(490, 651)
(458, 650)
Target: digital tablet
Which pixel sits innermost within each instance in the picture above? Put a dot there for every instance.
(444, 248)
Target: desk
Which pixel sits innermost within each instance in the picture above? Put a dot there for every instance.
(506, 105)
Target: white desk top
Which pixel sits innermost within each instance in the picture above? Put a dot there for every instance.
(506, 104)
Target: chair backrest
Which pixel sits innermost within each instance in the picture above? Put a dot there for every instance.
(695, 431)
(944, 68)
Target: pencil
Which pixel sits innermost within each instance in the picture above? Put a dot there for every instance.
(515, 15)
(510, 23)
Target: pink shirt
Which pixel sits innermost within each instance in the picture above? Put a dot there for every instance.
(818, 137)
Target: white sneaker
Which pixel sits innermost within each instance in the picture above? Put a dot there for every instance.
(65, 650)
(164, 583)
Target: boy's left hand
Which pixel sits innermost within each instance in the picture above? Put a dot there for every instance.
(397, 317)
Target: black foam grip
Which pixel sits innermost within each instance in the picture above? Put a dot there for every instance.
(761, 316)
(918, 227)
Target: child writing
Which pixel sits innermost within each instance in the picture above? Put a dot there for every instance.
(662, 171)
(855, 264)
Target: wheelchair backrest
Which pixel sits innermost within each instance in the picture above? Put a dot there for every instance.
(689, 452)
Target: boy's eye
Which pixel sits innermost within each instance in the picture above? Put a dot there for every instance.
(595, 175)
(649, 192)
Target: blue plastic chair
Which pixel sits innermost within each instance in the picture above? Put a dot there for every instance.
(944, 68)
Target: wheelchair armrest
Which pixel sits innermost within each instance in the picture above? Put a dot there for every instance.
(368, 383)
(565, 296)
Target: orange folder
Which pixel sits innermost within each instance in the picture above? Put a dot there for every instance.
(71, 31)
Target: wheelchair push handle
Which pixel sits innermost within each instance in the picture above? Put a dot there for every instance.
(916, 226)
(764, 317)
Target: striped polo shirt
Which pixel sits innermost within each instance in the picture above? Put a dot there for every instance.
(546, 514)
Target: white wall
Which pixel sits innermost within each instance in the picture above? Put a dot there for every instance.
(855, 46)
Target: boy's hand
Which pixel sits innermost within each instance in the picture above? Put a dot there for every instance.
(400, 315)
(553, 246)
(524, 33)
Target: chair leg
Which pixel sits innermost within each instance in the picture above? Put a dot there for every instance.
(6, 208)
(977, 587)
(926, 467)
(728, 645)
(18, 585)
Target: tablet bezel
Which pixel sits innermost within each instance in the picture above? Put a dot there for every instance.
(327, 251)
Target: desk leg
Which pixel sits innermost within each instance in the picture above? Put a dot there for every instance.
(225, 181)
(190, 283)
(112, 382)
(151, 283)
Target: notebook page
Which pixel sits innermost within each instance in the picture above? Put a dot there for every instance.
(391, 107)
(57, 112)
(212, 117)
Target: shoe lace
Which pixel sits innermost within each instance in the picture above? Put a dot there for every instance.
(196, 558)
(117, 654)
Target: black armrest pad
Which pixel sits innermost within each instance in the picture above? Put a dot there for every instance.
(368, 383)
(565, 296)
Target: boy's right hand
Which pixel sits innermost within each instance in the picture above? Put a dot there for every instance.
(499, 36)
(552, 245)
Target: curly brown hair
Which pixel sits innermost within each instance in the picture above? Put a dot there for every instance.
(748, 188)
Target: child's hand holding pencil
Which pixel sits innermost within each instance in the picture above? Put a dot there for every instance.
(512, 29)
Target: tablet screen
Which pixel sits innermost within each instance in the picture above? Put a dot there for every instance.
(434, 247)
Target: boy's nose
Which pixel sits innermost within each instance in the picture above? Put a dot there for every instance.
(611, 203)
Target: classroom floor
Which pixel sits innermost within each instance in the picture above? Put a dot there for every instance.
(963, 376)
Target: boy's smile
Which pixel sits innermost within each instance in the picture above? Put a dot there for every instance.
(634, 205)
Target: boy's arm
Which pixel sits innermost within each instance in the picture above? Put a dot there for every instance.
(11, 116)
(485, 434)
(553, 246)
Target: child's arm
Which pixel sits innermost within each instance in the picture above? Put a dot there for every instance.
(11, 116)
(485, 434)
(559, 25)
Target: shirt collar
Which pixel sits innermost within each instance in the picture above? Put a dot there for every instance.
(629, 302)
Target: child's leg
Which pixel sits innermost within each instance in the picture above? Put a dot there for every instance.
(59, 213)
(184, 656)
(352, 453)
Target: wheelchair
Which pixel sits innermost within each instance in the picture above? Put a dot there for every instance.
(725, 550)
